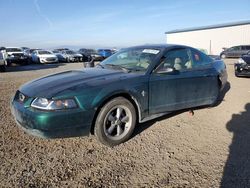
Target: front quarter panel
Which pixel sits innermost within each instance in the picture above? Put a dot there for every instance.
(137, 88)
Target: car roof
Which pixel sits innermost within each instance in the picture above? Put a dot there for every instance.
(13, 47)
(158, 46)
(43, 50)
(104, 49)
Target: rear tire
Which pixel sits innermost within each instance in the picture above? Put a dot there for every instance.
(223, 56)
(115, 122)
(38, 60)
(2, 68)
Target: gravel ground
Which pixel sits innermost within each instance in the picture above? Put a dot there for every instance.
(209, 149)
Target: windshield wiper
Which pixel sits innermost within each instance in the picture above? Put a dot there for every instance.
(120, 67)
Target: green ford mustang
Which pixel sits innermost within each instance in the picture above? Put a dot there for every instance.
(134, 85)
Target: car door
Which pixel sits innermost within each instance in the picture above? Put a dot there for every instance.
(241, 50)
(188, 85)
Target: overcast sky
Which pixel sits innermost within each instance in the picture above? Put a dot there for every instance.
(114, 23)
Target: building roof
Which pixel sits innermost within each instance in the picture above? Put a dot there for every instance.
(209, 27)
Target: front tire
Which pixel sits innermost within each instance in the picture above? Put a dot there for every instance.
(115, 122)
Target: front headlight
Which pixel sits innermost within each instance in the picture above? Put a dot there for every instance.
(241, 61)
(45, 104)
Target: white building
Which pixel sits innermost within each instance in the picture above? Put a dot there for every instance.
(212, 38)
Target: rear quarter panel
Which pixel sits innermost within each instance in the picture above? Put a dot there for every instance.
(220, 67)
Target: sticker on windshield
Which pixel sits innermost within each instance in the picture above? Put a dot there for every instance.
(151, 51)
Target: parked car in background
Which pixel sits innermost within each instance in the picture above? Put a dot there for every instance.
(68, 56)
(28, 53)
(235, 51)
(16, 55)
(43, 56)
(90, 54)
(25, 48)
(3, 61)
(134, 85)
(242, 67)
(104, 53)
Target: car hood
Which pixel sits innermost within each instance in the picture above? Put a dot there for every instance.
(52, 85)
(78, 55)
(13, 53)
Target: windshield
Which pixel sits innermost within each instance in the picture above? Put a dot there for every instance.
(132, 59)
(44, 52)
(13, 50)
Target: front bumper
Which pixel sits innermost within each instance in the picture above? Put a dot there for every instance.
(2, 62)
(49, 60)
(56, 124)
(17, 58)
(242, 70)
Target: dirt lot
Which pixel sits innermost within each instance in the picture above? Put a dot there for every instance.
(209, 149)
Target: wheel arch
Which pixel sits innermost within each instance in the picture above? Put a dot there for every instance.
(219, 81)
(127, 96)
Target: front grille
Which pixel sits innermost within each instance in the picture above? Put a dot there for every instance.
(17, 55)
(50, 59)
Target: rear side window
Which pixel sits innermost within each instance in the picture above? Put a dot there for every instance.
(245, 47)
(200, 59)
(235, 48)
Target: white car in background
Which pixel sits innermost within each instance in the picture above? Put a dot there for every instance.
(3, 61)
(43, 56)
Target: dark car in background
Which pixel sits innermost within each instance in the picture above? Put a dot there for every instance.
(242, 67)
(90, 54)
(104, 53)
(69, 56)
(235, 51)
(134, 85)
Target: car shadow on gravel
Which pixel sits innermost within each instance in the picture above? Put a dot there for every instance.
(237, 168)
(33, 67)
(143, 126)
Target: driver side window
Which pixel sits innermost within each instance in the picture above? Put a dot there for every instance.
(177, 59)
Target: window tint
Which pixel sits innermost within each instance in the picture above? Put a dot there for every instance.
(235, 48)
(200, 59)
(179, 59)
(245, 47)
